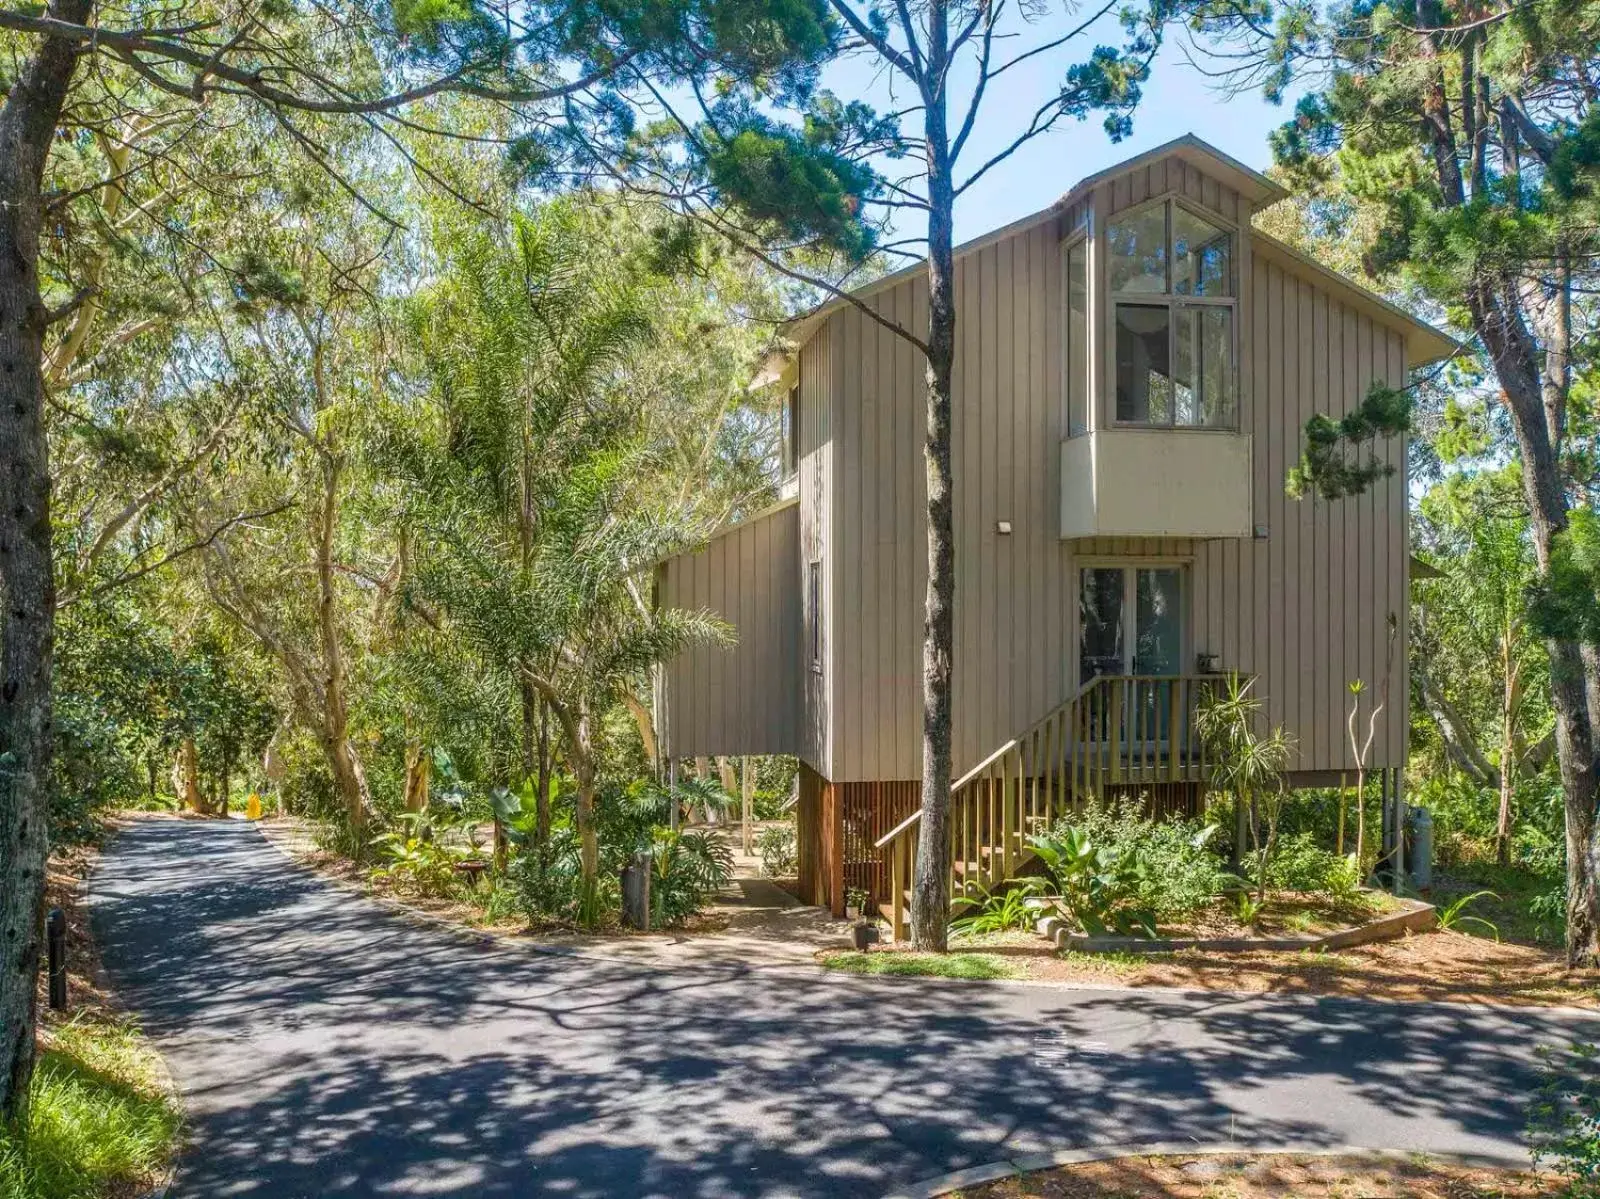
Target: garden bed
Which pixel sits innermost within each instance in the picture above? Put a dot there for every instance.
(1267, 1176)
(1287, 922)
(1439, 966)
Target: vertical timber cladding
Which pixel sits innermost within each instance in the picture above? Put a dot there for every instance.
(867, 811)
(820, 841)
(1303, 605)
(743, 698)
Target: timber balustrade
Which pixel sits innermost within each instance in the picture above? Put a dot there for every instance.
(1119, 731)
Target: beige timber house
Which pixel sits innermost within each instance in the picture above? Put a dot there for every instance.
(1134, 368)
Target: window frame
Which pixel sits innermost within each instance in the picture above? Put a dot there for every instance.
(1130, 566)
(1081, 242)
(814, 602)
(791, 431)
(1175, 304)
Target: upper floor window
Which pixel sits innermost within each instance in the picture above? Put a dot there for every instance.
(790, 432)
(1172, 293)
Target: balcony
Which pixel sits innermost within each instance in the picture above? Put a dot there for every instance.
(1139, 482)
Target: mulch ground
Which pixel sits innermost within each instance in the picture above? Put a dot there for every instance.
(1269, 1177)
(87, 993)
(1438, 966)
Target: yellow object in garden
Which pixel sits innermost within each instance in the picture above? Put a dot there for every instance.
(252, 807)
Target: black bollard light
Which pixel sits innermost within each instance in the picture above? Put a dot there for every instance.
(56, 928)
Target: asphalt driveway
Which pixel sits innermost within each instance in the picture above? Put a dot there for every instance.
(326, 1046)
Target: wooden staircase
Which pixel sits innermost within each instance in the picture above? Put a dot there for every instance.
(1119, 733)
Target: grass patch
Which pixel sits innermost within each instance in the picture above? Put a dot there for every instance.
(1112, 961)
(100, 1121)
(1508, 908)
(930, 965)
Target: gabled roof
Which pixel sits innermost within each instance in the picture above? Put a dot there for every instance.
(1250, 183)
(1424, 343)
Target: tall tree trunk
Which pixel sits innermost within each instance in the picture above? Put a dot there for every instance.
(348, 775)
(27, 579)
(747, 789)
(541, 801)
(1513, 353)
(416, 784)
(583, 813)
(1508, 749)
(227, 783)
(189, 777)
(930, 894)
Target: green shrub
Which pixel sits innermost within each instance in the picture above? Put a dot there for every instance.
(547, 883)
(1564, 1119)
(1300, 864)
(689, 868)
(416, 859)
(1001, 911)
(1100, 885)
(1170, 864)
(779, 849)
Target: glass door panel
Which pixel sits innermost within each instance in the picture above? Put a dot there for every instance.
(1158, 621)
(1158, 650)
(1102, 648)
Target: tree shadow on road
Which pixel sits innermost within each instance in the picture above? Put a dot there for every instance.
(330, 1047)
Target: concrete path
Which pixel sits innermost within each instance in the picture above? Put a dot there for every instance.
(326, 1046)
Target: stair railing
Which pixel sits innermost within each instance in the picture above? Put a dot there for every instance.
(1118, 730)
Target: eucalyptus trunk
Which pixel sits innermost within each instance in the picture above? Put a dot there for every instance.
(1512, 351)
(27, 580)
(930, 889)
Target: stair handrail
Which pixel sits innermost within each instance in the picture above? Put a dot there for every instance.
(978, 770)
(1116, 730)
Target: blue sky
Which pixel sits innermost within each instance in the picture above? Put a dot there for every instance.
(1177, 99)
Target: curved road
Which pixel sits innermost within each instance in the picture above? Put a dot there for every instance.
(326, 1046)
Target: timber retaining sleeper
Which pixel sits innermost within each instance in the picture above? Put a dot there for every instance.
(1414, 916)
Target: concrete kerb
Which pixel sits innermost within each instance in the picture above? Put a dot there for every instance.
(1032, 1163)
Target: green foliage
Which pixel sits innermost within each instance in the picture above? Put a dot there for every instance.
(547, 881)
(778, 846)
(1565, 603)
(795, 183)
(999, 911)
(1247, 909)
(1564, 1119)
(688, 869)
(1099, 885)
(1329, 464)
(1454, 915)
(99, 1121)
(1180, 870)
(1246, 764)
(1300, 864)
(416, 857)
